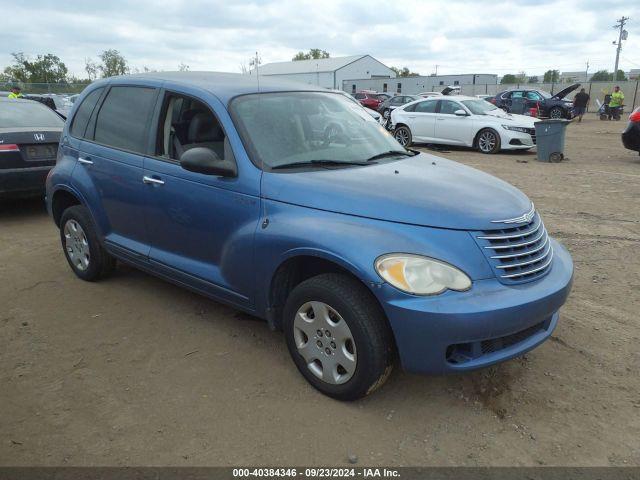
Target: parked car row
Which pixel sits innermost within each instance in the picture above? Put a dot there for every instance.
(521, 101)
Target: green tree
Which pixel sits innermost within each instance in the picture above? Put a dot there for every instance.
(43, 69)
(508, 79)
(620, 76)
(404, 72)
(521, 77)
(533, 79)
(91, 68)
(113, 63)
(551, 76)
(602, 76)
(313, 54)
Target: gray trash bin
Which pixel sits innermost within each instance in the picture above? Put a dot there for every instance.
(550, 139)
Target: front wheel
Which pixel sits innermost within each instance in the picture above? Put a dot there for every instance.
(338, 336)
(556, 112)
(402, 135)
(488, 141)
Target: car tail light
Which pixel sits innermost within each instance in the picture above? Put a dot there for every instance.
(635, 116)
(9, 147)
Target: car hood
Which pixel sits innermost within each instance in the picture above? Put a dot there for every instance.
(512, 118)
(422, 190)
(565, 91)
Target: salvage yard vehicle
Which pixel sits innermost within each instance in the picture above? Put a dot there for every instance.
(552, 106)
(29, 135)
(358, 249)
(386, 107)
(631, 134)
(464, 121)
(369, 99)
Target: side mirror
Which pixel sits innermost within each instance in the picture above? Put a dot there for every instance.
(204, 160)
(460, 113)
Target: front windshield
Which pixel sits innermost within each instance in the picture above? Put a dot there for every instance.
(545, 94)
(299, 127)
(479, 107)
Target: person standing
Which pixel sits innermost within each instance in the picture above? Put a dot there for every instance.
(617, 100)
(580, 102)
(15, 92)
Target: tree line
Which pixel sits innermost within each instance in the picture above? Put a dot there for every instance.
(49, 68)
(553, 76)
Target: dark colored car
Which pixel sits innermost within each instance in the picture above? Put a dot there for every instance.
(368, 99)
(631, 134)
(29, 135)
(389, 104)
(521, 100)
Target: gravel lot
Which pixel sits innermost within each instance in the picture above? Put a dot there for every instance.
(135, 371)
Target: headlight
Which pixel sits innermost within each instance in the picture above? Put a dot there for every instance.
(516, 129)
(420, 275)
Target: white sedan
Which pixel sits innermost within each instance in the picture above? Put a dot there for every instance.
(464, 121)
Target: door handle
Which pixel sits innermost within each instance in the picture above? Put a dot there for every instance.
(85, 161)
(152, 181)
(440, 119)
(412, 116)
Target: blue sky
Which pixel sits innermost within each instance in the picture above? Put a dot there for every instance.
(460, 36)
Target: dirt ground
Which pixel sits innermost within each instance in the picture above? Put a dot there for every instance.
(135, 371)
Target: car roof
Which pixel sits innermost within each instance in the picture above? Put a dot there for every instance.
(225, 86)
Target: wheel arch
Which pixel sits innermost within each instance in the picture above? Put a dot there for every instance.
(299, 265)
(61, 199)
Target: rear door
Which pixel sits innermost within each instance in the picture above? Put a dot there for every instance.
(422, 118)
(451, 128)
(110, 161)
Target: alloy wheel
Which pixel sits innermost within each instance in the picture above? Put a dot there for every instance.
(487, 141)
(325, 342)
(76, 245)
(402, 136)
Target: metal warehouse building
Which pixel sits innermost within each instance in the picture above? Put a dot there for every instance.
(418, 84)
(329, 72)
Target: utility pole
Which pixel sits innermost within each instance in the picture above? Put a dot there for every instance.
(622, 35)
(436, 70)
(586, 73)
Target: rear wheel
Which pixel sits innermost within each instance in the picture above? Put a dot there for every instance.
(403, 135)
(488, 141)
(86, 256)
(556, 112)
(338, 336)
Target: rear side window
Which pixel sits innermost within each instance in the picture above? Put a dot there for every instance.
(426, 107)
(27, 113)
(123, 118)
(81, 119)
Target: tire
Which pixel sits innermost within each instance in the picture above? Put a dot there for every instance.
(603, 117)
(358, 355)
(556, 112)
(402, 134)
(488, 141)
(86, 256)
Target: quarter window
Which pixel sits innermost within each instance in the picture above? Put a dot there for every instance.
(81, 118)
(123, 118)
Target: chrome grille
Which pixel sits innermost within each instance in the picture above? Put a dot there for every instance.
(518, 254)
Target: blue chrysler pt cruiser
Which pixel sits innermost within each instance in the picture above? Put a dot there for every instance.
(291, 203)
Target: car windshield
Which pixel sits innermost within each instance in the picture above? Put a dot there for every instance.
(308, 127)
(27, 114)
(479, 106)
(544, 94)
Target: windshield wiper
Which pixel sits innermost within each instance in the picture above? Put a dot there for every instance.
(391, 153)
(314, 163)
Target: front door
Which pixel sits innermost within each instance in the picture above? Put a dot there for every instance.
(201, 226)
(451, 128)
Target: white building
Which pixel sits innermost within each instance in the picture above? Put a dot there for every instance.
(328, 72)
(418, 84)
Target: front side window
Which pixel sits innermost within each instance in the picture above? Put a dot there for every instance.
(28, 113)
(535, 96)
(123, 118)
(187, 123)
(448, 107)
(83, 113)
(295, 127)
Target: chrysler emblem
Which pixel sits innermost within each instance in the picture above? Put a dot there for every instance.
(39, 137)
(524, 218)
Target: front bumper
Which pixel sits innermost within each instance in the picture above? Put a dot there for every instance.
(514, 140)
(23, 181)
(490, 323)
